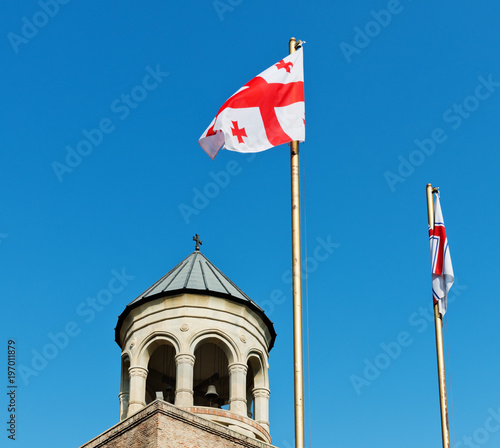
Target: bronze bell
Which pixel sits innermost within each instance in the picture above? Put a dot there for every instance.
(211, 393)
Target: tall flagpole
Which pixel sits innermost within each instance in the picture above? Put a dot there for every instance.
(297, 288)
(438, 323)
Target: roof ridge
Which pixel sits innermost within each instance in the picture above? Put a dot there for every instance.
(211, 267)
(188, 276)
(230, 281)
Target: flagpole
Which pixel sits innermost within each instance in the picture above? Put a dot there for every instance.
(438, 324)
(297, 288)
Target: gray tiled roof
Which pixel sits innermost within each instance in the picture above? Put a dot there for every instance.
(195, 274)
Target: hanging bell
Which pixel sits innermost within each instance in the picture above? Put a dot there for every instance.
(211, 393)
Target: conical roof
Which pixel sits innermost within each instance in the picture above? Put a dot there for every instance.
(196, 275)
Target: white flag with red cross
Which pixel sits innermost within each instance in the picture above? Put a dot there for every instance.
(267, 111)
(442, 269)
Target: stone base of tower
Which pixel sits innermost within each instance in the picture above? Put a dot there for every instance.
(162, 425)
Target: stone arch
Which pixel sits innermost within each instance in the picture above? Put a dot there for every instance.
(157, 355)
(152, 342)
(213, 353)
(257, 388)
(218, 338)
(257, 363)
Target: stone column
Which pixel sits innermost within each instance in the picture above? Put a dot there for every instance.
(184, 380)
(237, 388)
(261, 406)
(138, 377)
(123, 397)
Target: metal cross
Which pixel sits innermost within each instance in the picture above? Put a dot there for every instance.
(198, 241)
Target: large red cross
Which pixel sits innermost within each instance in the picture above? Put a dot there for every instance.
(266, 96)
(439, 233)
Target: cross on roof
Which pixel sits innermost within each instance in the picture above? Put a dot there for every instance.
(198, 241)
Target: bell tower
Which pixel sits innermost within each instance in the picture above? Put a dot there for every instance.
(196, 347)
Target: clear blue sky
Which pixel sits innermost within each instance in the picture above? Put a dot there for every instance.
(398, 94)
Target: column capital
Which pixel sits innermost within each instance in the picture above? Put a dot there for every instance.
(138, 371)
(237, 367)
(263, 392)
(184, 358)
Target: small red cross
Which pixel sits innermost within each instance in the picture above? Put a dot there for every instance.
(237, 132)
(285, 65)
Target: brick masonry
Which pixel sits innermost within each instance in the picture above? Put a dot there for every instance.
(162, 425)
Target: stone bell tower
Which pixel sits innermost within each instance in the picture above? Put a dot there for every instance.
(194, 363)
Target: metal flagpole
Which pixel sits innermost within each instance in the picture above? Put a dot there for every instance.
(438, 323)
(297, 287)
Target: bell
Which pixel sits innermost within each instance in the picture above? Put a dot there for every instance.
(211, 393)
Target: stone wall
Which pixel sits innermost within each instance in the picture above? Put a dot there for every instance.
(162, 425)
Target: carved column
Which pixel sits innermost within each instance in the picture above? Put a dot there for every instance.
(123, 397)
(184, 380)
(237, 388)
(138, 377)
(261, 406)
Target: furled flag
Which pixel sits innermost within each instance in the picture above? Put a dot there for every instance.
(442, 270)
(267, 111)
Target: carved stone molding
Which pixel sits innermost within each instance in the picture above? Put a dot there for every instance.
(237, 367)
(184, 358)
(123, 396)
(261, 392)
(138, 371)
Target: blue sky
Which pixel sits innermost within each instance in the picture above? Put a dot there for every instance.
(398, 94)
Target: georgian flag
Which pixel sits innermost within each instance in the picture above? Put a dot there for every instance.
(442, 270)
(267, 111)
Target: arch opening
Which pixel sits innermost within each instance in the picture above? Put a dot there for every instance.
(161, 380)
(250, 384)
(211, 376)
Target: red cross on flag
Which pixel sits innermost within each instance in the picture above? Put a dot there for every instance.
(267, 111)
(442, 270)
